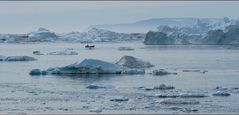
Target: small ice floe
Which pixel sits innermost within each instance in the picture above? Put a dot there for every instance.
(19, 58)
(221, 93)
(96, 110)
(160, 87)
(177, 101)
(37, 53)
(153, 106)
(65, 52)
(133, 71)
(189, 110)
(233, 89)
(125, 49)
(161, 72)
(38, 72)
(132, 62)
(192, 95)
(99, 86)
(120, 98)
(163, 95)
(199, 71)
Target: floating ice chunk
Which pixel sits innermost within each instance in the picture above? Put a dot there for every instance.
(189, 110)
(19, 58)
(98, 86)
(97, 110)
(38, 72)
(125, 49)
(162, 95)
(191, 95)
(161, 72)
(37, 53)
(133, 71)
(65, 52)
(163, 87)
(179, 102)
(221, 93)
(200, 71)
(120, 98)
(132, 62)
(160, 87)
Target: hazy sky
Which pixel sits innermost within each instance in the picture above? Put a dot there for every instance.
(25, 16)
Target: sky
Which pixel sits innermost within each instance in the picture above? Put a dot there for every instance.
(67, 16)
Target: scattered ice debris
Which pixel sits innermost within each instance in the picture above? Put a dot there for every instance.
(161, 72)
(164, 87)
(200, 71)
(97, 110)
(153, 106)
(64, 52)
(163, 95)
(120, 98)
(191, 95)
(37, 53)
(125, 49)
(179, 102)
(160, 87)
(221, 93)
(98, 86)
(19, 58)
(132, 62)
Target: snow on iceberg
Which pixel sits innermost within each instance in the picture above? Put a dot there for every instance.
(42, 34)
(132, 62)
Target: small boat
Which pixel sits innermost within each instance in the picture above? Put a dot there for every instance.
(89, 46)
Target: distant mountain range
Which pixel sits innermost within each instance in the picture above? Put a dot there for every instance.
(151, 24)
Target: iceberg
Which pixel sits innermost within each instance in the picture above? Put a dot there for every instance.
(132, 62)
(162, 72)
(19, 58)
(120, 98)
(176, 101)
(42, 35)
(98, 86)
(221, 93)
(65, 52)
